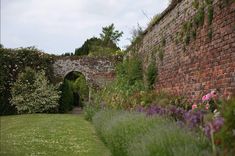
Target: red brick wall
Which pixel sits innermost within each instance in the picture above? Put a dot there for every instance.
(204, 64)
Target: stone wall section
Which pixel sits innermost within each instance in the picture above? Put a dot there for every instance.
(98, 71)
(202, 65)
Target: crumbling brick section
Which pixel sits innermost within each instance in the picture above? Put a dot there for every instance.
(202, 65)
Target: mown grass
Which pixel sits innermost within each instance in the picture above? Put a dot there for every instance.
(43, 134)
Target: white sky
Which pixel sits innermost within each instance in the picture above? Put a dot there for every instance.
(59, 26)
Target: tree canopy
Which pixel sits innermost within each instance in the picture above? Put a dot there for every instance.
(110, 36)
(105, 45)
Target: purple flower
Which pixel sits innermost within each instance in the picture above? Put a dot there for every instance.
(213, 126)
(217, 124)
(193, 118)
(140, 109)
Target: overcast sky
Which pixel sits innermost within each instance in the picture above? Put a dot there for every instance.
(59, 26)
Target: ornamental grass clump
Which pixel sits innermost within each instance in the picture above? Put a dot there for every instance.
(119, 129)
(168, 139)
(134, 133)
(101, 119)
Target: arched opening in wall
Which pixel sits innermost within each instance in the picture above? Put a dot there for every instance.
(74, 91)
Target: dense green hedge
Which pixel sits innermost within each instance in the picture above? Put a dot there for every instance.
(14, 61)
(67, 97)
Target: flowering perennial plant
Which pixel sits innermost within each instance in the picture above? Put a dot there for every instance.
(194, 118)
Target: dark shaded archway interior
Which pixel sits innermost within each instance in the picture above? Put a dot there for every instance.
(78, 95)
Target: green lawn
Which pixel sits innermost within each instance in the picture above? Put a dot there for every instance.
(53, 134)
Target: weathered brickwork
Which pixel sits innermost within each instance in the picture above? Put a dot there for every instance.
(205, 63)
(98, 71)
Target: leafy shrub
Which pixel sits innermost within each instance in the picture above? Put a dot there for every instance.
(129, 80)
(31, 93)
(227, 133)
(147, 98)
(14, 61)
(133, 70)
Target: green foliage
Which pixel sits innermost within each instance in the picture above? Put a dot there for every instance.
(14, 61)
(67, 54)
(195, 4)
(136, 38)
(134, 71)
(103, 51)
(199, 17)
(189, 28)
(187, 38)
(88, 46)
(180, 102)
(130, 70)
(80, 86)
(110, 36)
(210, 14)
(210, 33)
(136, 34)
(100, 121)
(150, 97)
(186, 31)
(90, 110)
(31, 93)
(106, 45)
(116, 95)
(209, 2)
(194, 33)
(160, 52)
(67, 97)
(154, 20)
(129, 79)
(75, 91)
(130, 133)
(151, 74)
(1, 46)
(117, 129)
(227, 133)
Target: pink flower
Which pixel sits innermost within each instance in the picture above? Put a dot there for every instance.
(194, 106)
(207, 106)
(206, 97)
(213, 94)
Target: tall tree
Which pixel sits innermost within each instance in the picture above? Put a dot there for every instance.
(110, 36)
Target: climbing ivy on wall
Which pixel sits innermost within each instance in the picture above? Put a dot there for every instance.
(159, 49)
(204, 10)
(188, 31)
